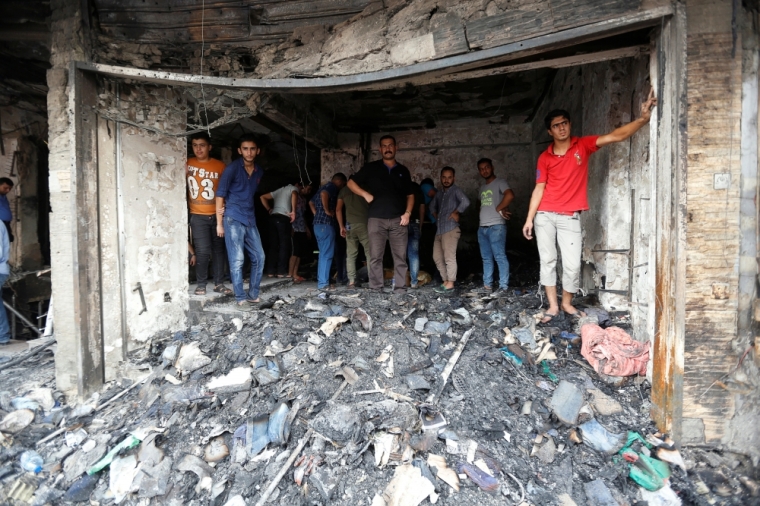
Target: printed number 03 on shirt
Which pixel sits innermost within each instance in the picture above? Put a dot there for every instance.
(194, 188)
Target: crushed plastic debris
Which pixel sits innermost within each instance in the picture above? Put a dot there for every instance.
(226, 394)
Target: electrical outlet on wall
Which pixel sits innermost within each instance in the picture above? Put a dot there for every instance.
(721, 181)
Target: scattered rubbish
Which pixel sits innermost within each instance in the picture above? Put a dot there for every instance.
(482, 479)
(600, 439)
(333, 322)
(416, 382)
(305, 465)
(16, 421)
(612, 352)
(31, 461)
(80, 490)
(22, 491)
(651, 474)
(462, 316)
(671, 456)
(237, 380)
(604, 404)
(228, 423)
(216, 450)
(602, 316)
(278, 428)
(123, 472)
(548, 372)
(566, 402)
(666, 496)
(431, 417)
(509, 355)
(597, 494)
(408, 487)
(131, 441)
(24, 403)
(360, 319)
(191, 358)
(438, 328)
(267, 370)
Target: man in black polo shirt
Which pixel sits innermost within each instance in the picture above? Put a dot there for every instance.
(386, 186)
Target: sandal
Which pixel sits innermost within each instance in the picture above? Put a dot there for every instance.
(298, 279)
(552, 317)
(201, 290)
(223, 290)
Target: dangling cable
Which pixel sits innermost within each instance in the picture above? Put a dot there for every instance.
(295, 155)
(203, 50)
(306, 148)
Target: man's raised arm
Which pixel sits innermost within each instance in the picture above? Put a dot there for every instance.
(624, 132)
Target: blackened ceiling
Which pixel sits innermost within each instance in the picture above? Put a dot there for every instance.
(24, 53)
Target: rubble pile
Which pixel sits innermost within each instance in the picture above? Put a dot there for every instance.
(355, 397)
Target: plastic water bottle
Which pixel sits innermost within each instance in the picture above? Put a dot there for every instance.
(31, 461)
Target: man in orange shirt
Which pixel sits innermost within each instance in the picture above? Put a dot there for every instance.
(559, 198)
(203, 174)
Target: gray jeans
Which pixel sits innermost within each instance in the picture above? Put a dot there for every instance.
(382, 230)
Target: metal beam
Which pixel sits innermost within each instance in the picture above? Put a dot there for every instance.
(555, 63)
(391, 78)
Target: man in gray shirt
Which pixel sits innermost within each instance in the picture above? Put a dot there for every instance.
(495, 196)
(446, 207)
(281, 205)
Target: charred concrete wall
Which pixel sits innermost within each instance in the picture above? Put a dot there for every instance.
(726, 413)
(298, 38)
(68, 44)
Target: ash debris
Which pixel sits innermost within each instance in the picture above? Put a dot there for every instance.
(362, 398)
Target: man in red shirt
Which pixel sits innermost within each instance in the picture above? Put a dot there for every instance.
(561, 195)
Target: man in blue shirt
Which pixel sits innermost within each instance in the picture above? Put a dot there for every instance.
(5, 253)
(236, 220)
(6, 185)
(323, 206)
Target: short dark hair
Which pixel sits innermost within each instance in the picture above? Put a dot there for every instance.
(247, 138)
(340, 176)
(387, 137)
(484, 160)
(5, 180)
(200, 136)
(427, 180)
(448, 168)
(556, 113)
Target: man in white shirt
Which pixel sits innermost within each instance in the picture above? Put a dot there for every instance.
(281, 205)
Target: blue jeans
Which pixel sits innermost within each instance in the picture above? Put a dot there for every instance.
(413, 252)
(493, 243)
(240, 240)
(325, 235)
(5, 329)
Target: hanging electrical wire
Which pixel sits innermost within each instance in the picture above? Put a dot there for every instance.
(296, 158)
(203, 50)
(306, 148)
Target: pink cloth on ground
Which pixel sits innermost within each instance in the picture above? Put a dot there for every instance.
(611, 351)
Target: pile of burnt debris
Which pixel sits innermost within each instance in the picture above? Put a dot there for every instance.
(365, 398)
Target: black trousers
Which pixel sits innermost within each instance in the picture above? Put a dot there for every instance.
(278, 250)
(206, 243)
(8, 228)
